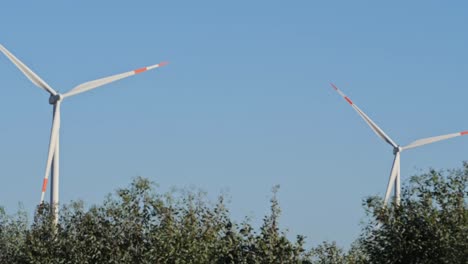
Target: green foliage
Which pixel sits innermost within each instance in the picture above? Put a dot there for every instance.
(139, 225)
(12, 233)
(430, 225)
(329, 253)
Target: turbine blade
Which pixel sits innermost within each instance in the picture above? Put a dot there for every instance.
(430, 140)
(398, 183)
(103, 81)
(54, 192)
(28, 72)
(393, 175)
(369, 121)
(52, 147)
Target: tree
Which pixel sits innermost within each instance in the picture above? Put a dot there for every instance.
(139, 225)
(430, 225)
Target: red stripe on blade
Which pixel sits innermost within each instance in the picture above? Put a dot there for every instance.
(334, 87)
(44, 185)
(164, 63)
(349, 100)
(464, 133)
(140, 70)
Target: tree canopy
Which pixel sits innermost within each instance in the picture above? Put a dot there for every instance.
(137, 224)
(430, 225)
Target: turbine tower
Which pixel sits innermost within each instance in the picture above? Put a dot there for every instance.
(394, 180)
(55, 99)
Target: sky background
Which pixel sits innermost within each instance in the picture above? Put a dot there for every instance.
(244, 104)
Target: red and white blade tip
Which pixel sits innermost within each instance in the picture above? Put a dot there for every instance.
(464, 133)
(334, 87)
(137, 71)
(342, 94)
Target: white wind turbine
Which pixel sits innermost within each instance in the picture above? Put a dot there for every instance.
(395, 172)
(55, 99)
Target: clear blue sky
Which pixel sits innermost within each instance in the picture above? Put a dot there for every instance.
(245, 103)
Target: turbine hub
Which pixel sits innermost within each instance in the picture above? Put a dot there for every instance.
(53, 99)
(397, 149)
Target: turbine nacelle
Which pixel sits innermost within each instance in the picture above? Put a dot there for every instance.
(53, 99)
(397, 150)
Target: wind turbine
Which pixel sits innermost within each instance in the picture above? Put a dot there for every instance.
(397, 149)
(55, 99)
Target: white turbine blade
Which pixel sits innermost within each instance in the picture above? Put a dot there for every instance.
(52, 147)
(369, 121)
(398, 184)
(54, 192)
(393, 176)
(430, 140)
(100, 82)
(28, 72)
